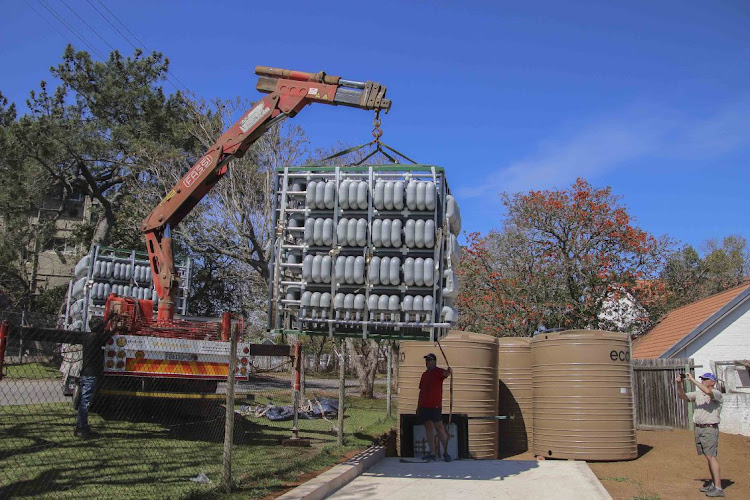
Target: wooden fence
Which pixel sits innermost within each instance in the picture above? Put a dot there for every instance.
(655, 393)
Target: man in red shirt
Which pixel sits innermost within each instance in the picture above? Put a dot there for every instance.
(430, 406)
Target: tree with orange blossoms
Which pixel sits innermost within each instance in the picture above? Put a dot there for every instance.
(569, 258)
(495, 299)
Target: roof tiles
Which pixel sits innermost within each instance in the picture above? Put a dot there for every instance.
(681, 321)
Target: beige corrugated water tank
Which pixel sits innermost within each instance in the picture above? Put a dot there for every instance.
(515, 395)
(473, 358)
(583, 398)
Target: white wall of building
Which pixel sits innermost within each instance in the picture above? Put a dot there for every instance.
(727, 340)
(622, 312)
(735, 414)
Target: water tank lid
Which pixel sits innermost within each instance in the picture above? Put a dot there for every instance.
(453, 337)
(514, 341)
(580, 334)
(462, 336)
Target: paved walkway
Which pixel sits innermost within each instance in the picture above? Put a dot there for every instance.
(31, 391)
(476, 479)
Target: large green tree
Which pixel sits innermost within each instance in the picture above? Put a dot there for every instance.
(27, 216)
(99, 129)
(688, 276)
(94, 133)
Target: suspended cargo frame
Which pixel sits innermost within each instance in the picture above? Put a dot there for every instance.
(339, 307)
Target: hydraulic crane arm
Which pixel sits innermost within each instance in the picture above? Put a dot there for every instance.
(288, 92)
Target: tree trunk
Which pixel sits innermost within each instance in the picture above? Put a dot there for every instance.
(316, 362)
(319, 354)
(35, 262)
(101, 233)
(364, 357)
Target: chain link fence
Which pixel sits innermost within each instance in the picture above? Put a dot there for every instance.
(159, 439)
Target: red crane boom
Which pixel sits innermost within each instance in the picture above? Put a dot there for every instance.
(288, 92)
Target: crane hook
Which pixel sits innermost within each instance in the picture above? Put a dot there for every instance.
(376, 132)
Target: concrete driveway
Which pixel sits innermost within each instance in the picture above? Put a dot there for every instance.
(475, 479)
(31, 391)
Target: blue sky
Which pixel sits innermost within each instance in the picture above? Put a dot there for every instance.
(650, 98)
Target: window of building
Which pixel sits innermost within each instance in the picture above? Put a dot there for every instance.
(76, 195)
(71, 208)
(59, 245)
(47, 215)
(743, 373)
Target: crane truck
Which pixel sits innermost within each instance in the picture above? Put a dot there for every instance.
(164, 356)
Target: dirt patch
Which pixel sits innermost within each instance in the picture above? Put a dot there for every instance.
(668, 467)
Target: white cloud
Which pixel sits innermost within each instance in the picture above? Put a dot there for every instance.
(618, 140)
(721, 133)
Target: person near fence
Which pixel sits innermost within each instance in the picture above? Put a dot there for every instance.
(91, 370)
(430, 407)
(706, 417)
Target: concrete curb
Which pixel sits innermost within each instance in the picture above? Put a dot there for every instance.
(335, 478)
(586, 470)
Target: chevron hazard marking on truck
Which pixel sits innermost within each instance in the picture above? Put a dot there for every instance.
(165, 367)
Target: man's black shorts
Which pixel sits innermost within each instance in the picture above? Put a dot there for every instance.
(431, 414)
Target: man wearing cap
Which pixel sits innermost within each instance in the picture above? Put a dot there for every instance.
(430, 406)
(91, 372)
(707, 401)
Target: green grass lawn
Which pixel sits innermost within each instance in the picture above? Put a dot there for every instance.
(31, 370)
(144, 455)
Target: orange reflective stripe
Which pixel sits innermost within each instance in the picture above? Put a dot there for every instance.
(176, 367)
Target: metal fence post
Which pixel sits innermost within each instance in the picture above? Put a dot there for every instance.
(229, 420)
(20, 339)
(303, 360)
(4, 327)
(389, 356)
(342, 389)
(297, 379)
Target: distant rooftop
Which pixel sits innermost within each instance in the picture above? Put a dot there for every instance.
(680, 322)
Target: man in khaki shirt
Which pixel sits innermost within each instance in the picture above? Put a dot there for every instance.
(706, 417)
